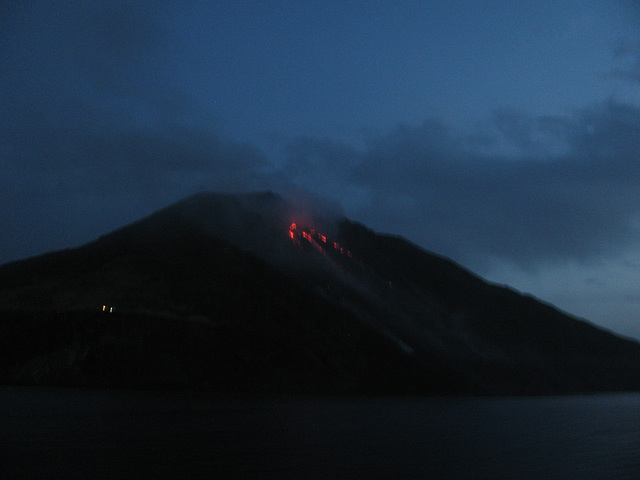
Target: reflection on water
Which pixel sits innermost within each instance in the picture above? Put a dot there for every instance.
(74, 433)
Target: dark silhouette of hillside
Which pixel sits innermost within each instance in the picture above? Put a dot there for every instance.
(215, 293)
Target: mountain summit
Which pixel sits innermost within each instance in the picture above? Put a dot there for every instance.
(259, 293)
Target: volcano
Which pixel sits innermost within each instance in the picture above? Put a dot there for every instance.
(258, 293)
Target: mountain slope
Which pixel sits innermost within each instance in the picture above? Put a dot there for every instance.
(504, 340)
(258, 293)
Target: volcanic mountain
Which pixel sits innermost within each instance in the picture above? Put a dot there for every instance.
(256, 293)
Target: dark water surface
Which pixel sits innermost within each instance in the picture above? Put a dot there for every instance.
(58, 433)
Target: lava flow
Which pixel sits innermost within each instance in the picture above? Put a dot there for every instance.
(316, 240)
(335, 253)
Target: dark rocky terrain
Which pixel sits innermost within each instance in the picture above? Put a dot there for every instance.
(220, 293)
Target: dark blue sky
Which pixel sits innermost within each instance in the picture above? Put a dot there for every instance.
(505, 135)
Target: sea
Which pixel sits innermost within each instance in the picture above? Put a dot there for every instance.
(72, 433)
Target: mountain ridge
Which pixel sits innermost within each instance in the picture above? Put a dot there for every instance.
(275, 302)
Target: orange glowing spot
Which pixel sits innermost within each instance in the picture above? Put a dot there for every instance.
(104, 307)
(316, 240)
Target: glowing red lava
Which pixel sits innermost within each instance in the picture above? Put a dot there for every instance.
(315, 239)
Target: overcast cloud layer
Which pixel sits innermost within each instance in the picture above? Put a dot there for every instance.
(467, 199)
(98, 128)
